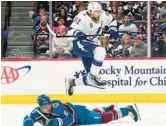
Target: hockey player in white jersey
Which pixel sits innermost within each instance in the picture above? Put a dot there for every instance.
(90, 22)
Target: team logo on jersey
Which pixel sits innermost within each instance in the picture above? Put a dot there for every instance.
(55, 105)
(10, 74)
(91, 25)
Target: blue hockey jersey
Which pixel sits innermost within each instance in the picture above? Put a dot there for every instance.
(69, 113)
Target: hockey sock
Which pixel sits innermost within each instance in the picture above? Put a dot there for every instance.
(123, 112)
(95, 68)
(113, 114)
(99, 55)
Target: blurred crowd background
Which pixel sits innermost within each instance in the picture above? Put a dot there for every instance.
(24, 32)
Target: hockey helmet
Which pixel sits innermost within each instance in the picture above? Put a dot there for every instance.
(43, 100)
(94, 6)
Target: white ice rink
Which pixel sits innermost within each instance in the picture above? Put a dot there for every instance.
(151, 114)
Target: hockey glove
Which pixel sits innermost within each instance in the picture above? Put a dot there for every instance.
(55, 122)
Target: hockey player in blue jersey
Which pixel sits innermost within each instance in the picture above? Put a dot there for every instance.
(90, 22)
(56, 113)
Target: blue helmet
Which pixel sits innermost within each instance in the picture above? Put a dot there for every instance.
(43, 100)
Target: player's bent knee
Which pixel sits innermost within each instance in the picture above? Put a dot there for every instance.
(99, 53)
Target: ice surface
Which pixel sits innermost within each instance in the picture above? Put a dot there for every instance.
(151, 114)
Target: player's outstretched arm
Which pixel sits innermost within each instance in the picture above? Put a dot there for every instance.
(30, 119)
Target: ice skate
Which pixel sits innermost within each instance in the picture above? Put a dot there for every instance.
(96, 81)
(70, 86)
(132, 113)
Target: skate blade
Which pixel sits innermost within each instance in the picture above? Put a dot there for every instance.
(96, 87)
(139, 117)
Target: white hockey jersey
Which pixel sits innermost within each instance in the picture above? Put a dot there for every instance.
(84, 23)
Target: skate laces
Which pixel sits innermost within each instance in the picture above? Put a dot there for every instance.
(98, 78)
(95, 79)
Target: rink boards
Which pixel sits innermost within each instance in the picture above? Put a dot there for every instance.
(130, 80)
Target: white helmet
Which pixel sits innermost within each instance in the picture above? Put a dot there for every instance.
(94, 6)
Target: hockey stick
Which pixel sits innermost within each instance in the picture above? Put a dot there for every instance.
(96, 86)
(47, 120)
